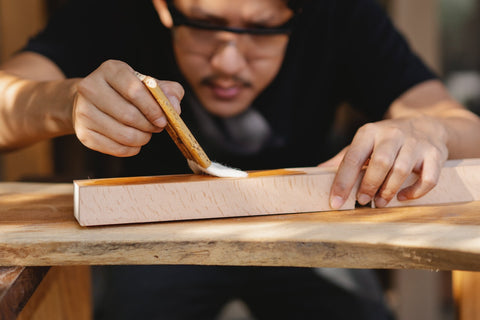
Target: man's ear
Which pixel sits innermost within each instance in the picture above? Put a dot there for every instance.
(163, 13)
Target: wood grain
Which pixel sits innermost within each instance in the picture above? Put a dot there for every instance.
(186, 197)
(37, 227)
(459, 182)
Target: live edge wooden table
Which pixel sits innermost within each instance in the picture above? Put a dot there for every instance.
(38, 230)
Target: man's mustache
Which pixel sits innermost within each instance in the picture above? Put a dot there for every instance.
(211, 80)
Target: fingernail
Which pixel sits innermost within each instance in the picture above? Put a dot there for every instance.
(160, 122)
(380, 202)
(401, 197)
(363, 199)
(336, 202)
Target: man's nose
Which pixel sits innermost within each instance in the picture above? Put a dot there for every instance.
(228, 59)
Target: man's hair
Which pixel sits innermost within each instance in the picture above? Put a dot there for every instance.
(296, 5)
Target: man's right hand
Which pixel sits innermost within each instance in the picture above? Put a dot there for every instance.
(114, 112)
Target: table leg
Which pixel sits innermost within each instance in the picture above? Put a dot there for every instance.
(64, 293)
(466, 290)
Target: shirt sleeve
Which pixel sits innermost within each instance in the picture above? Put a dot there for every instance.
(376, 62)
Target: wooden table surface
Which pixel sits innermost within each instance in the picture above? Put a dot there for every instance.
(37, 228)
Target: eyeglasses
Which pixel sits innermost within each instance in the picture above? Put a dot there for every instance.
(179, 19)
(201, 36)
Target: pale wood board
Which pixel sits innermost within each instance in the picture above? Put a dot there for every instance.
(186, 197)
(37, 227)
(459, 182)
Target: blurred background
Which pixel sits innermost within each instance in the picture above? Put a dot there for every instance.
(445, 33)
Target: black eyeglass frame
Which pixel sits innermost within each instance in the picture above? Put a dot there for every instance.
(179, 19)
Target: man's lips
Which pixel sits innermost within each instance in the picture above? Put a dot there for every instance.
(225, 92)
(226, 88)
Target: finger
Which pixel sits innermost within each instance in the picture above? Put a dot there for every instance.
(127, 83)
(430, 173)
(90, 118)
(348, 171)
(401, 170)
(100, 94)
(98, 142)
(380, 164)
(174, 92)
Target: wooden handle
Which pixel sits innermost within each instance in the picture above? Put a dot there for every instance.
(176, 128)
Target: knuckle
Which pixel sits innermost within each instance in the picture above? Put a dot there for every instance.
(340, 189)
(111, 64)
(368, 128)
(440, 153)
(133, 138)
(84, 87)
(127, 137)
(401, 169)
(125, 151)
(429, 182)
(368, 188)
(395, 132)
(135, 92)
(381, 160)
(84, 115)
(353, 158)
(85, 137)
(387, 194)
(115, 68)
(128, 117)
(173, 88)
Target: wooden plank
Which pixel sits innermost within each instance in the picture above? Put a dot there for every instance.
(459, 182)
(37, 227)
(185, 197)
(17, 284)
(65, 293)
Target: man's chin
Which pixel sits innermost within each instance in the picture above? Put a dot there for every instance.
(225, 109)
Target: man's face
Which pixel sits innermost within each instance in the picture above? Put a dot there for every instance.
(227, 70)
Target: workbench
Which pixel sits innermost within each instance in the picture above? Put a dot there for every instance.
(38, 230)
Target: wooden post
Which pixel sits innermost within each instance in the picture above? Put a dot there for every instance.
(418, 21)
(64, 293)
(466, 292)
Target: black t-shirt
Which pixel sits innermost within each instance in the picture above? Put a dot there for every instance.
(339, 51)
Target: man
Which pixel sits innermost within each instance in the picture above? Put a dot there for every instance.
(262, 80)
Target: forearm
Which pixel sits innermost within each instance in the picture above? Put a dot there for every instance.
(32, 110)
(463, 133)
(432, 103)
